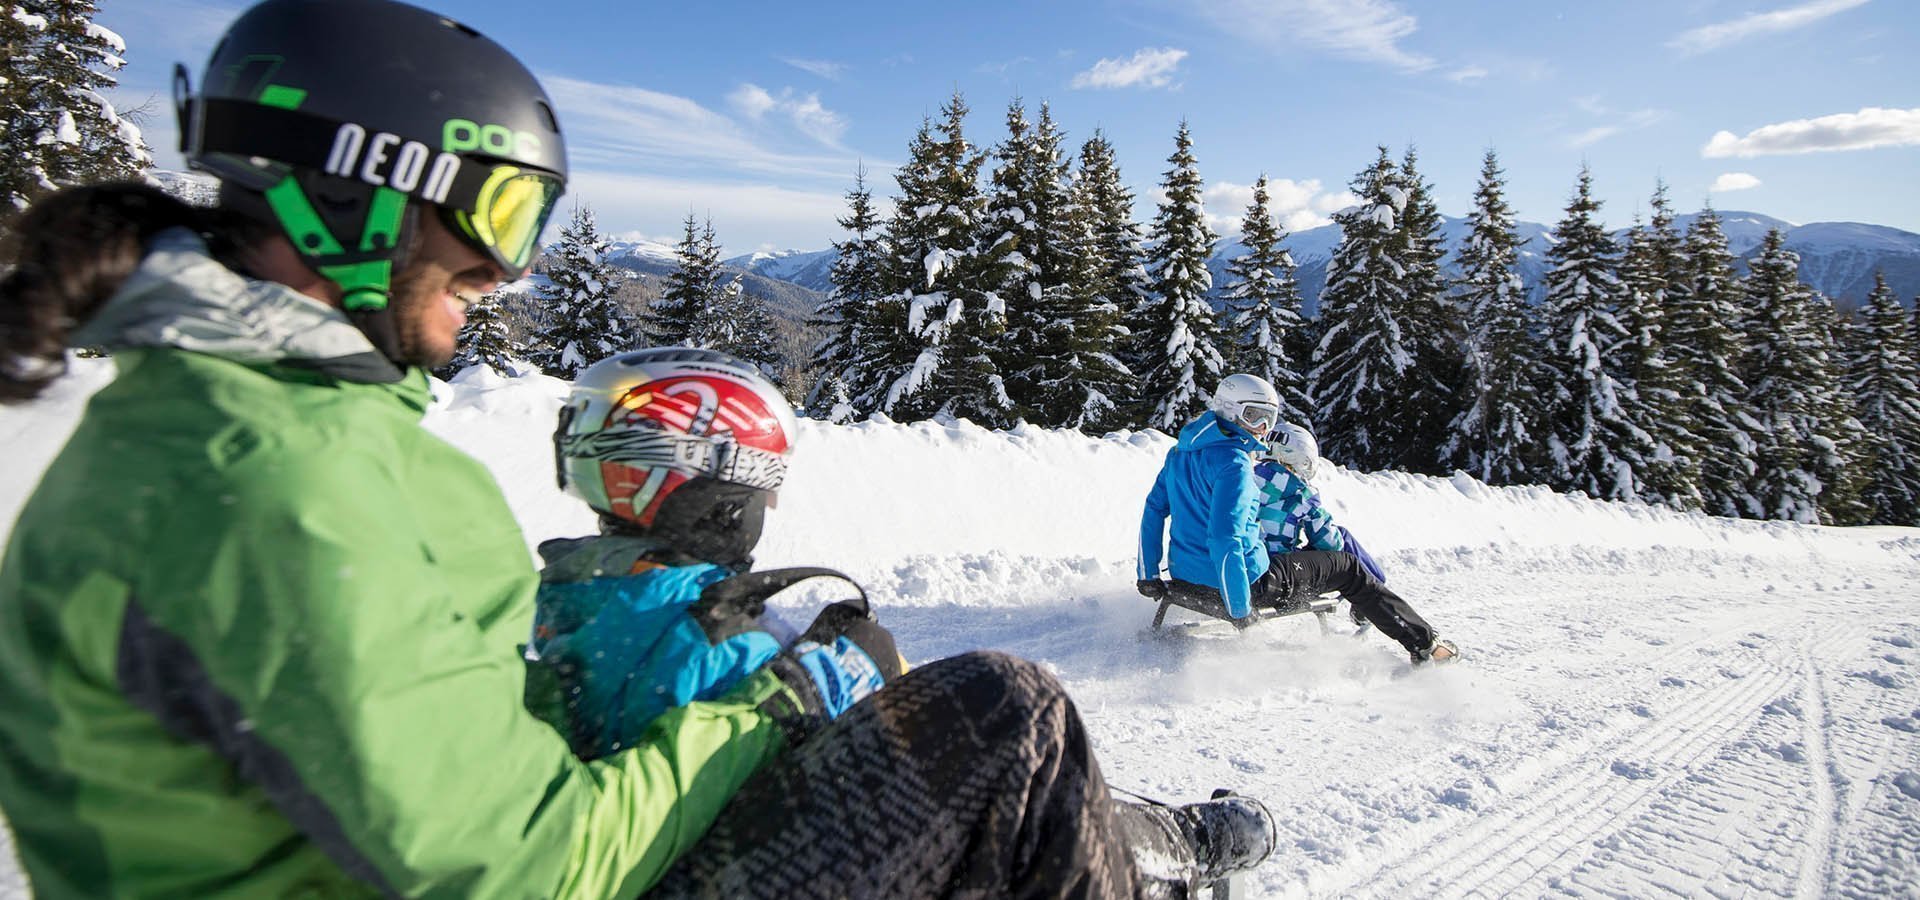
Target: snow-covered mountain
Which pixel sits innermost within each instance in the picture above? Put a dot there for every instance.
(1651, 704)
(810, 269)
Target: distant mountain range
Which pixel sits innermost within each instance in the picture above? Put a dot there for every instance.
(1836, 258)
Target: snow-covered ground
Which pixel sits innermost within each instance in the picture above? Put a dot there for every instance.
(1652, 703)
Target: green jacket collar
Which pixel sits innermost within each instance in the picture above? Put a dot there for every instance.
(183, 298)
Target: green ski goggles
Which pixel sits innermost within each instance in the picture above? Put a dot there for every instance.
(507, 214)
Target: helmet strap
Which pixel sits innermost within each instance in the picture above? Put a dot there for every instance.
(364, 274)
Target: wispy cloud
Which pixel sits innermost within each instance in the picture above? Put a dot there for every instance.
(1866, 129)
(1004, 68)
(827, 69)
(1734, 181)
(625, 127)
(1465, 74)
(1367, 30)
(1151, 67)
(1617, 122)
(803, 110)
(1295, 205)
(1720, 34)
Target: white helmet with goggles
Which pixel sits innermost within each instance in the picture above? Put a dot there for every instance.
(1294, 446)
(1248, 402)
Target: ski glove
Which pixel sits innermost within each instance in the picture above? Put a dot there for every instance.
(842, 657)
(1152, 588)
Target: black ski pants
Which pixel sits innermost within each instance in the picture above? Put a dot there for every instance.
(968, 777)
(1297, 576)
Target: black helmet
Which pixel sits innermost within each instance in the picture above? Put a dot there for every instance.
(337, 113)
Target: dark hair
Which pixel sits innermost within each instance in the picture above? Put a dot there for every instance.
(67, 255)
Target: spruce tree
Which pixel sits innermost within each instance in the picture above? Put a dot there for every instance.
(1653, 272)
(485, 339)
(692, 286)
(1592, 445)
(1433, 328)
(1705, 325)
(1492, 438)
(1844, 468)
(584, 321)
(845, 318)
(1885, 377)
(1175, 337)
(1079, 381)
(60, 129)
(1025, 208)
(739, 324)
(1115, 273)
(946, 265)
(1265, 302)
(1361, 367)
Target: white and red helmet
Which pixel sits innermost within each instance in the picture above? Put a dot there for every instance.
(642, 427)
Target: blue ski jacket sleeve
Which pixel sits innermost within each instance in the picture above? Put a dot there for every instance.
(1207, 489)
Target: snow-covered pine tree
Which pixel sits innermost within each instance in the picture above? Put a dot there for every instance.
(1843, 470)
(1591, 443)
(1791, 390)
(739, 324)
(60, 129)
(1083, 380)
(1492, 438)
(1174, 336)
(946, 263)
(1025, 208)
(1264, 300)
(1704, 328)
(1885, 379)
(845, 317)
(1365, 355)
(485, 339)
(692, 286)
(584, 322)
(1117, 268)
(1653, 270)
(1434, 328)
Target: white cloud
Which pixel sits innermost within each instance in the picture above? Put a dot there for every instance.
(1295, 205)
(1622, 122)
(1866, 129)
(1465, 74)
(1152, 67)
(1715, 36)
(751, 100)
(803, 110)
(827, 69)
(1734, 181)
(625, 127)
(1368, 30)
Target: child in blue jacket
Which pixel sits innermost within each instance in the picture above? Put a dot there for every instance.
(1311, 555)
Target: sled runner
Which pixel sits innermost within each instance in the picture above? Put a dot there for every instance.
(1206, 601)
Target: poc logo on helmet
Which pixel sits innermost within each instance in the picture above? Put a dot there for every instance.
(461, 135)
(393, 162)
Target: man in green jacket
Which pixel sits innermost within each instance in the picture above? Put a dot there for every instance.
(258, 629)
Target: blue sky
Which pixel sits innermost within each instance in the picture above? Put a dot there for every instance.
(757, 115)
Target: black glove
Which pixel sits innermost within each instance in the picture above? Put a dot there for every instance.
(1152, 588)
(857, 624)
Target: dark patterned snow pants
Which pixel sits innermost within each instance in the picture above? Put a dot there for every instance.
(968, 777)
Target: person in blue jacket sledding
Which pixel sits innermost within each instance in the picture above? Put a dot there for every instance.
(1209, 488)
(1311, 555)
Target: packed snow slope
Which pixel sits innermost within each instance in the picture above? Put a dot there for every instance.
(1651, 704)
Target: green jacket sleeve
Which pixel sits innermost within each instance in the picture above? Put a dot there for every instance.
(367, 638)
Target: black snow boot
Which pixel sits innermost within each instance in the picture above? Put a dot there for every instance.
(1178, 850)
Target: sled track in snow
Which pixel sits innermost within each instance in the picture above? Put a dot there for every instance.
(1680, 788)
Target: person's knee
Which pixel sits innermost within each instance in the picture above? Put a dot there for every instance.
(988, 684)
